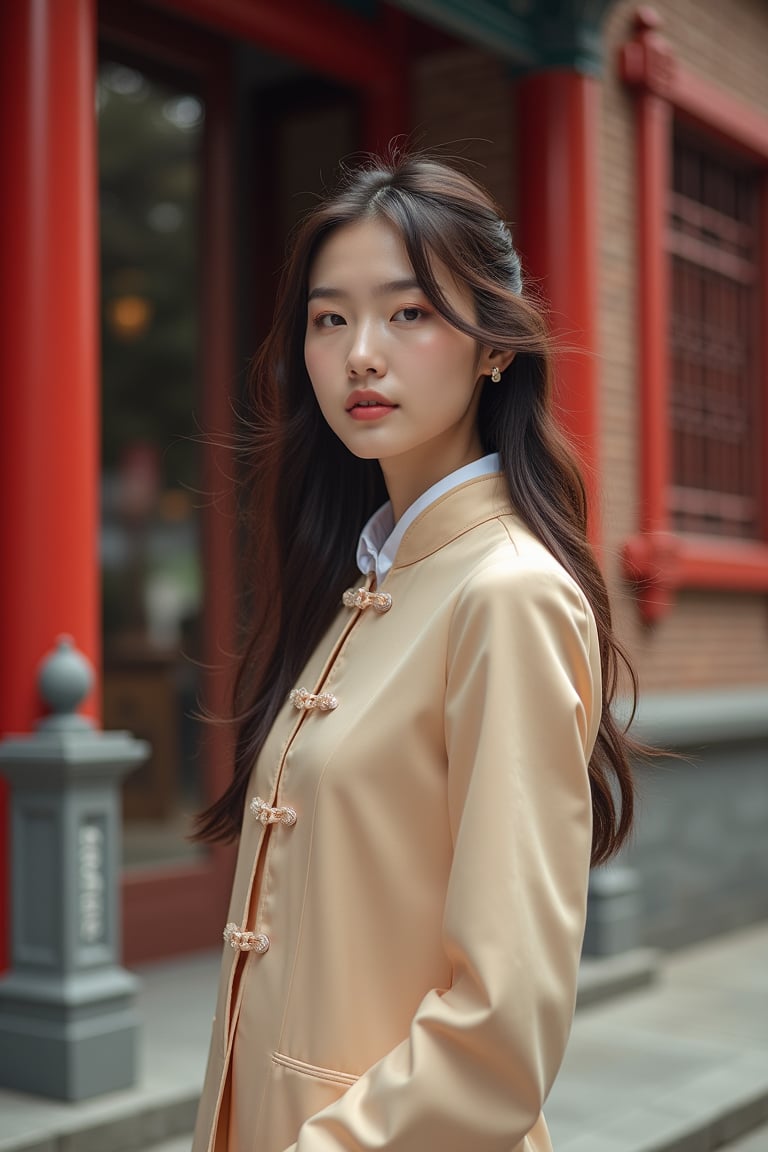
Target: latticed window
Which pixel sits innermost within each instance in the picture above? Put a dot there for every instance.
(714, 402)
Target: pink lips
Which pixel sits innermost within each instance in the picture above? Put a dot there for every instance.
(365, 405)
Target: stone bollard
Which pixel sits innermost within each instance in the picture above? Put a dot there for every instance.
(68, 1015)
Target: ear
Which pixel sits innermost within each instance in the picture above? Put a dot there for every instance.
(492, 358)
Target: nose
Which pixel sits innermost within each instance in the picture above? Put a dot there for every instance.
(365, 356)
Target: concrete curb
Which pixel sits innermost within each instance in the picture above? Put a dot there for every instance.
(601, 979)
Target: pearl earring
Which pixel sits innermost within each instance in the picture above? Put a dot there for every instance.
(495, 374)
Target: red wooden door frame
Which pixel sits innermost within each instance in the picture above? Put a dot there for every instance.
(366, 55)
(172, 910)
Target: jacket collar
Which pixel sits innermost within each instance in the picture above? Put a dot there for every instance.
(450, 516)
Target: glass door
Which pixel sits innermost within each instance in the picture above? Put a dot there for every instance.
(167, 537)
(150, 148)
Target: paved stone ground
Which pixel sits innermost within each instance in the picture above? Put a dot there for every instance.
(682, 1065)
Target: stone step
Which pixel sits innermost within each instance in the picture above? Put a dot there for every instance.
(115, 1126)
(608, 976)
(756, 1141)
(179, 1144)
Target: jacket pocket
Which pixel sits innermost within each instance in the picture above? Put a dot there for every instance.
(345, 1079)
(296, 1091)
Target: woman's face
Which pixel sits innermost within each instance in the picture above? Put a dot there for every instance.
(394, 380)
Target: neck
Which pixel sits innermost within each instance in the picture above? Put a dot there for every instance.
(406, 480)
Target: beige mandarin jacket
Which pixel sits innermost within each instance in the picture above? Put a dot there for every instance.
(404, 952)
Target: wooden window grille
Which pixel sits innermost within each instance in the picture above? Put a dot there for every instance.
(714, 401)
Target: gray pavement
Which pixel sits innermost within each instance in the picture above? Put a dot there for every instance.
(678, 1066)
(681, 1066)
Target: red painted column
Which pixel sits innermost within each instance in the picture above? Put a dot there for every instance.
(558, 184)
(651, 557)
(654, 550)
(49, 438)
(762, 464)
(653, 163)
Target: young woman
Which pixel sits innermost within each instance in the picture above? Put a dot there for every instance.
(426, 757)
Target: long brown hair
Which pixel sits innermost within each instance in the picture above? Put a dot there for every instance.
(308, 496)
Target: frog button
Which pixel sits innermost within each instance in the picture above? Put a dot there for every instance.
(304, 700)
(361, 598)
(243, 941)
(267, 815)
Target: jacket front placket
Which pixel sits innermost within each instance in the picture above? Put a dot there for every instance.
(246, 938)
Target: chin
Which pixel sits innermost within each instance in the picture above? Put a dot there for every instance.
(363, 453)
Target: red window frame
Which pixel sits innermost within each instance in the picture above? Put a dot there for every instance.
(656, 559)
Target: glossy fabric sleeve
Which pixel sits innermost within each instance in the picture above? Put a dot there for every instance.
(521, 713)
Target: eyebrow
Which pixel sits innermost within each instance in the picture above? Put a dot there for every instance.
(386, 289)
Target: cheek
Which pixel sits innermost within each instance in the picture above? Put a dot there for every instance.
(448, 347)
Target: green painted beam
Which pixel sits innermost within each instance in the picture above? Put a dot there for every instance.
(365, 8)
(489, 23)
(529, 34)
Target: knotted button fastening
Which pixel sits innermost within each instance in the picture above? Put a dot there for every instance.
(266, 815)
(243, 941)
(302, 699)
(362, 598)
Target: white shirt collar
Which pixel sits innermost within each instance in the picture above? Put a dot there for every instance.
(380, 538)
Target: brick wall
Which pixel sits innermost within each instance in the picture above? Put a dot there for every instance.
(699, 847)
(708, 638)
(464, 104)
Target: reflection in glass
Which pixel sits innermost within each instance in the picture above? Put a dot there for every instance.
(150, 138)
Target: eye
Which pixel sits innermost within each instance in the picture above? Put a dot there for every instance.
(328, 320)
(410, 313)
